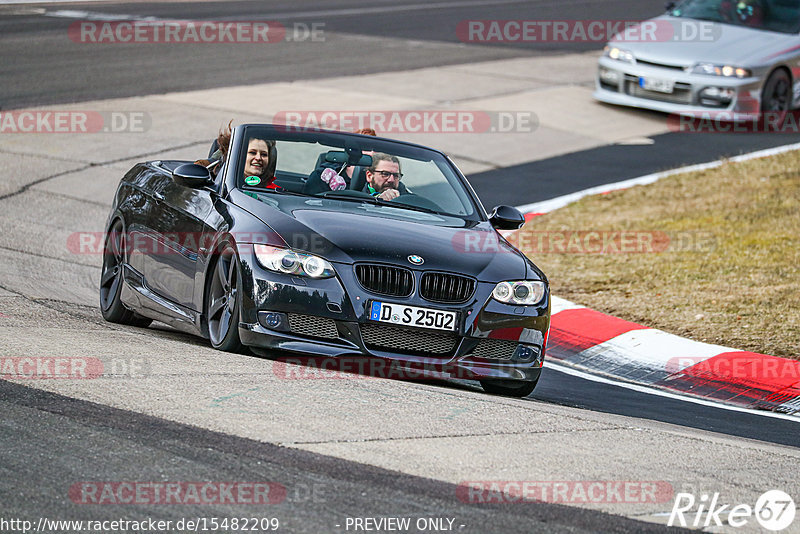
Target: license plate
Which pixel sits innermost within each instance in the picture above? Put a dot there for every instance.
(384, 312)
(657, 84)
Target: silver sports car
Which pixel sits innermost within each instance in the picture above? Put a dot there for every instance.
(707, 56)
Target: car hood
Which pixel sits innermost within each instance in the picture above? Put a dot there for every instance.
(350, 232)
(730, 44)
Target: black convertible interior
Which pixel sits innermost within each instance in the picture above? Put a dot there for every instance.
(310, 182)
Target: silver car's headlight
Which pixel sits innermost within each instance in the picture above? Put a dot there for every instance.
(288, 261)
(525, 292)
(618, 53)
(728, 71)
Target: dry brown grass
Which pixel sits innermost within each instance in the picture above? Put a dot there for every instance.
(731, 272)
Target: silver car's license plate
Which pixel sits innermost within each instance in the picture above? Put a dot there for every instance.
(384, 312)
(656, 84)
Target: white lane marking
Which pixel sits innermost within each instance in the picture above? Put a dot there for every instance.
(392, 9)
(345, 12)
(559, 202)
(23, 11)
(652, 391)
(15, 2)
(92, 15)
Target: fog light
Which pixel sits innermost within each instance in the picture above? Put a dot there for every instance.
(272, 320)
(524, 353)
(715, 96)
(608, 76)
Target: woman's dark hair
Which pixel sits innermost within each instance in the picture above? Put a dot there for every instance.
(224, 139)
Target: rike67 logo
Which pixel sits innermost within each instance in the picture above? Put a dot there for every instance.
(774, 510)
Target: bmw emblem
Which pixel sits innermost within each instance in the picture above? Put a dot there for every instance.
(416, 260)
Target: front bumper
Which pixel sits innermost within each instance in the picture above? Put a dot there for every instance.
(321, 319)
(687, 97)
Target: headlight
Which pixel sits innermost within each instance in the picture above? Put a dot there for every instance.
(618, 53)
(288, 261)
(727, 71)
(523, 292)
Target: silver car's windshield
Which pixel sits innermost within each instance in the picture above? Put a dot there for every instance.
(772, 15)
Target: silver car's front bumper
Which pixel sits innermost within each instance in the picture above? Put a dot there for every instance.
(685, 99)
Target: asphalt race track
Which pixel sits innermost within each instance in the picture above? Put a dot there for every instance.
(614, 163)
(39, 69)
(176, 410)
(318, 487)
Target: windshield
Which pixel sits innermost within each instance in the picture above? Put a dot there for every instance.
(772, 15)
(352, 169)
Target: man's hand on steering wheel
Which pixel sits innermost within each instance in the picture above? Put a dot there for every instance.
(389, 194)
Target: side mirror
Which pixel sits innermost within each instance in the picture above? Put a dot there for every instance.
(192, 175)
(506, 218)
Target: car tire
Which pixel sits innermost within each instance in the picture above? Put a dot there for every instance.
(223, 301)
(111, 280)
(777, 93)
(509, 388)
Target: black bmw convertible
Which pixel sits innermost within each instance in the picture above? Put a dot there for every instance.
(313, 256)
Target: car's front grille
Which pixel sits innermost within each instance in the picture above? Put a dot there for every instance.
(385, 280)
(312, 326)
(660, 65)
(446, 288)
(404, 340)
(681, 92)
(495, 349)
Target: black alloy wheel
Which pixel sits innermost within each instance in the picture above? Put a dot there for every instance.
(777, 93)
(223, 302)
(111, 280)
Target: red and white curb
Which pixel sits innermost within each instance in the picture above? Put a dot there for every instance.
(593, 341)
(585, 339)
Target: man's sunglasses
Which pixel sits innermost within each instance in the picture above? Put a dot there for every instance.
(387, 174)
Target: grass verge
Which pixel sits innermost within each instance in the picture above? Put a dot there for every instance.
(710, 255)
